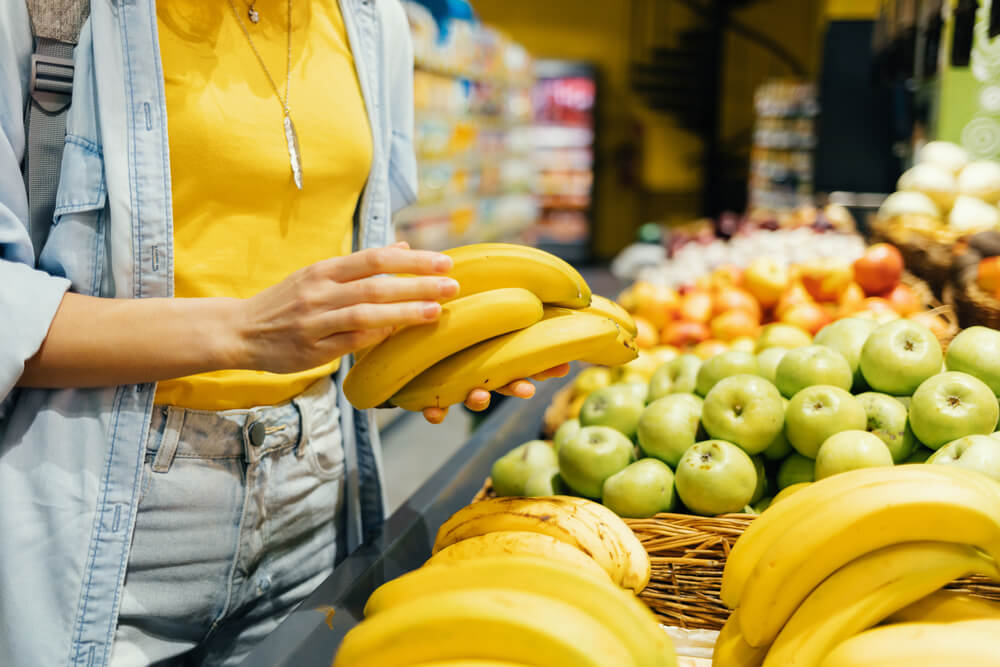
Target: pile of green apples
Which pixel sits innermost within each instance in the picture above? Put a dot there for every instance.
(726, 434)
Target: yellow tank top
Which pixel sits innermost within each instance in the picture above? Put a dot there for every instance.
(240, 224)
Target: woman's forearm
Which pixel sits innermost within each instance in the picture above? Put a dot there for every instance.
(95, 342)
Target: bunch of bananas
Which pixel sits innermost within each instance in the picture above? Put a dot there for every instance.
(517, 581)
(850, 551)
(519, 311)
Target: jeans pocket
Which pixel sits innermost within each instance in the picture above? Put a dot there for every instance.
(325, 449)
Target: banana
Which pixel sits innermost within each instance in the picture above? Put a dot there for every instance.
(520, 542)
(731, 650)
(960, 644)
(838, 531)
(486, 266)
(618, 353)
(789, 490)
(482, 623)
(470, 663)
(865, 591)
(559, 338)
(618, 611)
(638, 566)
(946, 606)
(763, 531)
(608, 308)
(386, 368)
(561, 517)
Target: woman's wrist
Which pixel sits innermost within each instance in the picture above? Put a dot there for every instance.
(228, 346)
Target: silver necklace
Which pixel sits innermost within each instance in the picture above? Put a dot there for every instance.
(291, 138)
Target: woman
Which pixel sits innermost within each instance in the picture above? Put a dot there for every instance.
(177, 469)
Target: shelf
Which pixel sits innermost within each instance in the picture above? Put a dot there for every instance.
(472, 75)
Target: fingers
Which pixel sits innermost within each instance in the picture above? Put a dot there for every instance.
(389, 289)
(347, 342)
(435, 415)
(375, 261)
(518, 389)
(363, 316)
(478, 400)
(562, 370)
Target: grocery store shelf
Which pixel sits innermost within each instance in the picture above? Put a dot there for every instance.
(443, 69)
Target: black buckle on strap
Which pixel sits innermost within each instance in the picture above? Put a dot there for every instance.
(51, 83)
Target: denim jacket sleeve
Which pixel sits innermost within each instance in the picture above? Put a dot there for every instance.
(399, 85)
(29, 298)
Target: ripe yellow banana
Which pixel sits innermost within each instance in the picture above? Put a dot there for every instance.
(557, 339)
(482, 623)
(960, 644)
(867, 590)
(731, 650)
(562, 517)
(947, 606)
(788, 491)
(470, 663)
(615, 609)
(638, 567)
(617, 353)
(387, 367)
(842, 529)
(524, 543)
(764, 530)
(486, 266)
(608, 308)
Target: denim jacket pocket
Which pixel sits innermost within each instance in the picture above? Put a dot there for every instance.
(76, 247)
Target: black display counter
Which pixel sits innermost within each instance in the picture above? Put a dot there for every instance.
(311, 634)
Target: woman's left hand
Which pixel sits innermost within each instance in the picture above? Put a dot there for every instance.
(479, 399)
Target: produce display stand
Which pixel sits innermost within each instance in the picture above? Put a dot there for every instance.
(311, 634)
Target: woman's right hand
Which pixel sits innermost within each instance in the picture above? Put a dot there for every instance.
(337, 306)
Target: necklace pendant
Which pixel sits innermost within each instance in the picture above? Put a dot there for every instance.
(294, 157)
(252, 13)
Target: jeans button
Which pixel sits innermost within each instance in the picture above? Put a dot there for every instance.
(257, 431)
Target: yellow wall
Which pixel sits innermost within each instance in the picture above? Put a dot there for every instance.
(664, 183)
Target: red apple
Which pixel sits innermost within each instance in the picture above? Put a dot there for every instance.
(709, 348)
(680, 333)
(795, 295)
(656, 303)
(695, 306)
(734, 324)
(904, 300)
(879, 269)
(851, 299)
(826, 279)
(734, 298)
(808, 316)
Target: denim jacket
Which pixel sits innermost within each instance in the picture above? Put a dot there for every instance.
(71, 460)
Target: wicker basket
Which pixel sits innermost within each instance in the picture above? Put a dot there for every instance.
(688, 553)
(926, 249)
(973, 304)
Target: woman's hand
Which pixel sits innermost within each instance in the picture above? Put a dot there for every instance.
(337, 306)
(479, 399)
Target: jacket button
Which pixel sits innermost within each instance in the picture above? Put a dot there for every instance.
(257, 432)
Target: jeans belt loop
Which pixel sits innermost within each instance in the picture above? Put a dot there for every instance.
(171, 436)
(304, 416)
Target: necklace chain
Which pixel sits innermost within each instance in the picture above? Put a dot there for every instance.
(288, 61)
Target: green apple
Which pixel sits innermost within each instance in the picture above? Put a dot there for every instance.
(952, 405)
(513, 469)
(795, 470)
(761, 488)
(976, 351)
(905, 400)
(669, 425)
(746, 410)
(639, 389)
(779, 447)
(596, 453)
(732, 362)
(768, 360)
(888, 420)
(761, 505)
(975, 452)
(715, 477)
(544, 484)
(816, 413)
(847, 336)
(613, 406)
(898, 356)
(591, 379)
(779, 334)
(566, 431)
(851, 450)
(677, 376)
(920, 454)
(995, 434)
(811, 365)
(642, 489)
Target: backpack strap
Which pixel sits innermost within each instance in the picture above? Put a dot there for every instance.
(56, 26)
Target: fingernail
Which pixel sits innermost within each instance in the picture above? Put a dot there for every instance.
(448, 286)
(431, 310)
(442, 263)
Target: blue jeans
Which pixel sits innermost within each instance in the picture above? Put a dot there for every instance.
(236, 525)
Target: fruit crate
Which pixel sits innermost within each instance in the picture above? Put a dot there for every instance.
(687, 555)
(926, 249)
(973, 305)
